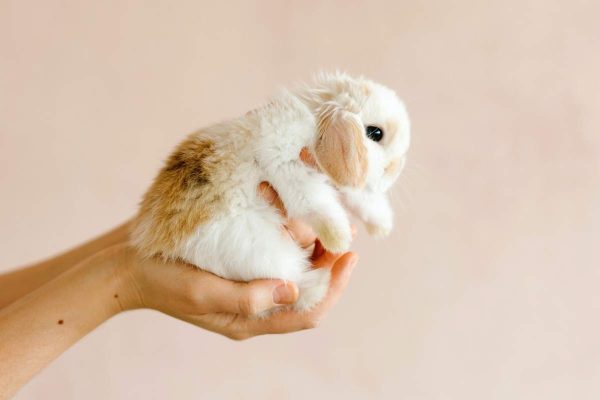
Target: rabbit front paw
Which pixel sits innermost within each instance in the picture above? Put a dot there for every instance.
(334, 238)
(379, 230)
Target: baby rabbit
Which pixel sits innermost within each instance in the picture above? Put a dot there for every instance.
(203, 206)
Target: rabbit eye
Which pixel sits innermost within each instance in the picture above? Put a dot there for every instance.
(374, 133)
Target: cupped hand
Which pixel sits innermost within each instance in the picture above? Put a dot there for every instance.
(227, 307)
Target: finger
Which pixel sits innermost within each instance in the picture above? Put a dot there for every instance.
(323, 258)
(319, 251)
(267, 192)
(301, 232)
(292, 321)
(253, 297)
(340, 276)
(298, 230)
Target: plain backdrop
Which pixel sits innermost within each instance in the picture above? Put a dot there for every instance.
(487, 289)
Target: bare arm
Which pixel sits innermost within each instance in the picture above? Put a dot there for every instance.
(18, 283)
(38, 327)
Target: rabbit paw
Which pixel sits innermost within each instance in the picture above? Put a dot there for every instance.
(379, 230)
(334, 238)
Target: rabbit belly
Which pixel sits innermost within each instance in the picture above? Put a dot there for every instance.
(246, 245)
(250, 245)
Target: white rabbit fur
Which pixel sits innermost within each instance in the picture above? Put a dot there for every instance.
(204, 206)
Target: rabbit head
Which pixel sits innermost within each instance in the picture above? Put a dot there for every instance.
(363, 134)
(363, 131)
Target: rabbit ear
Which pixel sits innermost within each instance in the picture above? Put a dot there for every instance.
(339, 148)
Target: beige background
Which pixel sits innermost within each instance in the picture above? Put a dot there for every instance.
(489, 287)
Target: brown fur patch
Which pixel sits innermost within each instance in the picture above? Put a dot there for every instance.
(181, 197)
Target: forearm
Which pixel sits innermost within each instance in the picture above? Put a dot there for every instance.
(41, 325)
(20, 282)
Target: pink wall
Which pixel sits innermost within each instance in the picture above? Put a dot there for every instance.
(488, 289)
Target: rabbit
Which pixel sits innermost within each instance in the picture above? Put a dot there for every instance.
(204, 208)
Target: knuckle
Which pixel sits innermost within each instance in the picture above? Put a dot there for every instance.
(248, 304)
(191, 292)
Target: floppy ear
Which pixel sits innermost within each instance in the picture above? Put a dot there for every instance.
(339, 148)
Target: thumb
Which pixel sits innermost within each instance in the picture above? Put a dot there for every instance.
(256, 296)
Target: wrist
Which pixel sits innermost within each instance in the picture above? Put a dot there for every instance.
(123, 289)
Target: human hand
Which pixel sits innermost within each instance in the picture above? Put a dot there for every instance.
(228, 307)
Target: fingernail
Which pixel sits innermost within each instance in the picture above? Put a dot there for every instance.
(284, 294)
